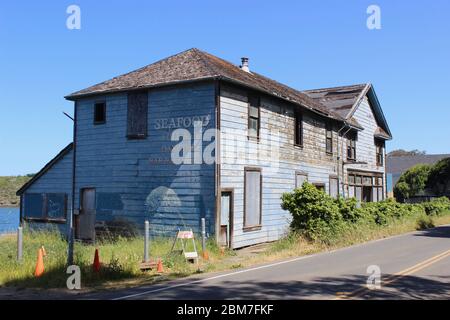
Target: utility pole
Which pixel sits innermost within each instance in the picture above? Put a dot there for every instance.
(70, 231)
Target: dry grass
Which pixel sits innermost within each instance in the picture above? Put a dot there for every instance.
(121, 258)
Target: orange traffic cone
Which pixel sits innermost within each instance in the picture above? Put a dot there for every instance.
(96, 264)
(205, 255)
(39, 264)
(159, 266)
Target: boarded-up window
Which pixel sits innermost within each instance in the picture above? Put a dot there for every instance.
(33, 205)
(48, 207)
(334, 187)
(252, 198)
(253, 116)
(137, 115)
(300, 178)
(56, 205)
(298, 138)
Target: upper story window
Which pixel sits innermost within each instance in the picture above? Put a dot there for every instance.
(254, 119)
(298, 138)
(351, 145)
(379, 145)
(99, 113)
(329, 138)
(137, 115)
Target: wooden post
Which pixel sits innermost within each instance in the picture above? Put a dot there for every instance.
(146, 240)
(203, 235)
(19, 244)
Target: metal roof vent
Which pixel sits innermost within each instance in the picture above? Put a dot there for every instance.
(244, 65)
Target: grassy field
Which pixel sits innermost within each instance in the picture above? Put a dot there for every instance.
(8, 189)
(120, 259)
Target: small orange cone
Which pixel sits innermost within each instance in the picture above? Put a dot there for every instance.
(222, 251)
(205, 255)
(39, 264)
(159, 266)
(96, 264)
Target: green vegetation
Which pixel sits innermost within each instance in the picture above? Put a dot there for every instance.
(321, 218)
(319, 223)
(439, 177)
(423, 177)
(9, 187)
(120, 260)
(412, 182)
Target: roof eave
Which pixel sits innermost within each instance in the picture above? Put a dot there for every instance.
(327, 115)
(75, 96)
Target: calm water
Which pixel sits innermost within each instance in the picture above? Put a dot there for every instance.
(9, 219)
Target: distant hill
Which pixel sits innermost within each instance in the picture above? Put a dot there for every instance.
(8, 189)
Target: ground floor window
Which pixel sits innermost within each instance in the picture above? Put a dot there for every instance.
(365, 187)
(334, 187)
(252, 198)
(300, 178)
(45, 206)
(320, 186)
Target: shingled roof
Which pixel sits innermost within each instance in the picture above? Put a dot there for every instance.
(195, 65)
(340, 100)
(344, 101)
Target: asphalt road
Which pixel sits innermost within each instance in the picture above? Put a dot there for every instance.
(412, 266)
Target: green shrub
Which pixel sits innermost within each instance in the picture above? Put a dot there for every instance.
(318, 216)
(349, 210)
(412, 182)
(314, 213)
(437, 206)
(439, 177)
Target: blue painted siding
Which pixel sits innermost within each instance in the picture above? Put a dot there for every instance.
(136, 179)
(56, 180)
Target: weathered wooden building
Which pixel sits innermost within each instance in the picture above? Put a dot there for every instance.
(193, 136)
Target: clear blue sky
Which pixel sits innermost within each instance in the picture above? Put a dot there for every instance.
(305, 44)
